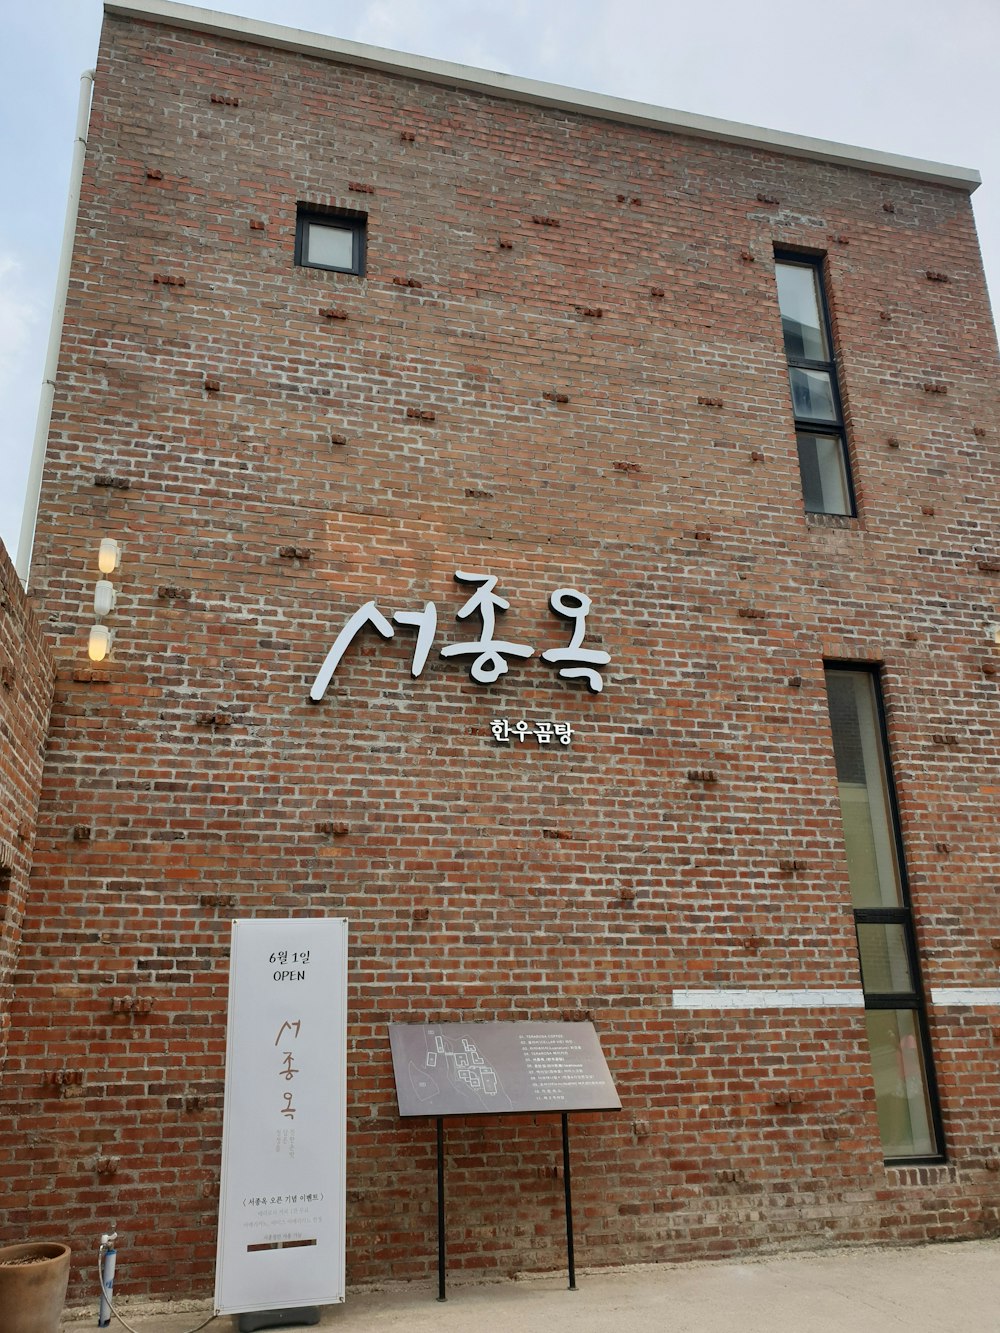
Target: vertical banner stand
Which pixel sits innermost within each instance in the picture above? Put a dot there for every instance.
(281, 1242)
(440, 1139)
(569, 1202)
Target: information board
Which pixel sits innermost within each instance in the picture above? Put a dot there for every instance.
(499, 1068)
(281, 1207)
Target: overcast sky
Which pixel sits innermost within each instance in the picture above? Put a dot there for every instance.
(919, 77)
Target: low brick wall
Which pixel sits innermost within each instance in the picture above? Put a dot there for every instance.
(26, 680)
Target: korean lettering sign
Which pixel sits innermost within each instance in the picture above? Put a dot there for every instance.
(281, 1213)
(488, 653)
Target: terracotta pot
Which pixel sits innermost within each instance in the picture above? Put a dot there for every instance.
(32, 1295)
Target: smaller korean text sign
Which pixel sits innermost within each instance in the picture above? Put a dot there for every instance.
(281, 1208)
(499, 1068)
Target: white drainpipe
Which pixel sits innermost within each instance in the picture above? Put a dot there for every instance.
(30, 515)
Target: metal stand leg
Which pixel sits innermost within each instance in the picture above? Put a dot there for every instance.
(440, 1146)
(569, 1202)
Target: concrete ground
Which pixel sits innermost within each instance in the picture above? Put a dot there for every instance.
(953, 1288)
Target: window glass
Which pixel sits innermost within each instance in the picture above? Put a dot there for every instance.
(885, 966)
(329, 247)
(812, 394)
(896, 1027)
(824, 474)
(812, 382)
(801, 313)
(901, 1097)
(864, 806)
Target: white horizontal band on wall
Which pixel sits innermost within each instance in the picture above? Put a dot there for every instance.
(769, 999)
(965, 995)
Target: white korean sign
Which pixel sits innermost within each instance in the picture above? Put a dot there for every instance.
(281, 1209)
(489, 654)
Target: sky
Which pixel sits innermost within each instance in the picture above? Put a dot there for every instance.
(918, 77)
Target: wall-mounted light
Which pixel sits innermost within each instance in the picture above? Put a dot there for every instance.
(104, 598)
(99, 643)
(109, 557)
(100, 639)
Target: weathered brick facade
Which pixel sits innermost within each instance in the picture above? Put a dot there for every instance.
(584, 384)
(26, 677)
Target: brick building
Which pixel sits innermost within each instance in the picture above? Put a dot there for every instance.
(343, 325)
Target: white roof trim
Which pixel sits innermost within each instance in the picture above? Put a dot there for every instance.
(543, 94)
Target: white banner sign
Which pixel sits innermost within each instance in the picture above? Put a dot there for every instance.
(281, 1209)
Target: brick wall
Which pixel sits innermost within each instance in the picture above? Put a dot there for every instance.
(25, 698)
(214, 420)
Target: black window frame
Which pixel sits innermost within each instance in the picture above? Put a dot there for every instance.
(914, 999)
(342, 219)
(806, 426)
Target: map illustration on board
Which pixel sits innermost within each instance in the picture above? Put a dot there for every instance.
(456, 1063)
(498, 1068)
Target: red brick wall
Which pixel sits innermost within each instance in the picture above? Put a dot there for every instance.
(25, 698)
(483, 882)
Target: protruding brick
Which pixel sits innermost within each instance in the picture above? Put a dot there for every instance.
(217, 718)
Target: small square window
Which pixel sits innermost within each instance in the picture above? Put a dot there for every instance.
(334, 241)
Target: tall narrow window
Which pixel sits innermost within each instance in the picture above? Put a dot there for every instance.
(812, 376)
(906, 1099)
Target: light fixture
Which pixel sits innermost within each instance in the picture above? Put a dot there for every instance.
(104, 598)
(99, 643)
(99, 640)
(109, 556)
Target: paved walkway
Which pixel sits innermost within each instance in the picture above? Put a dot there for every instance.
(951, 1288)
